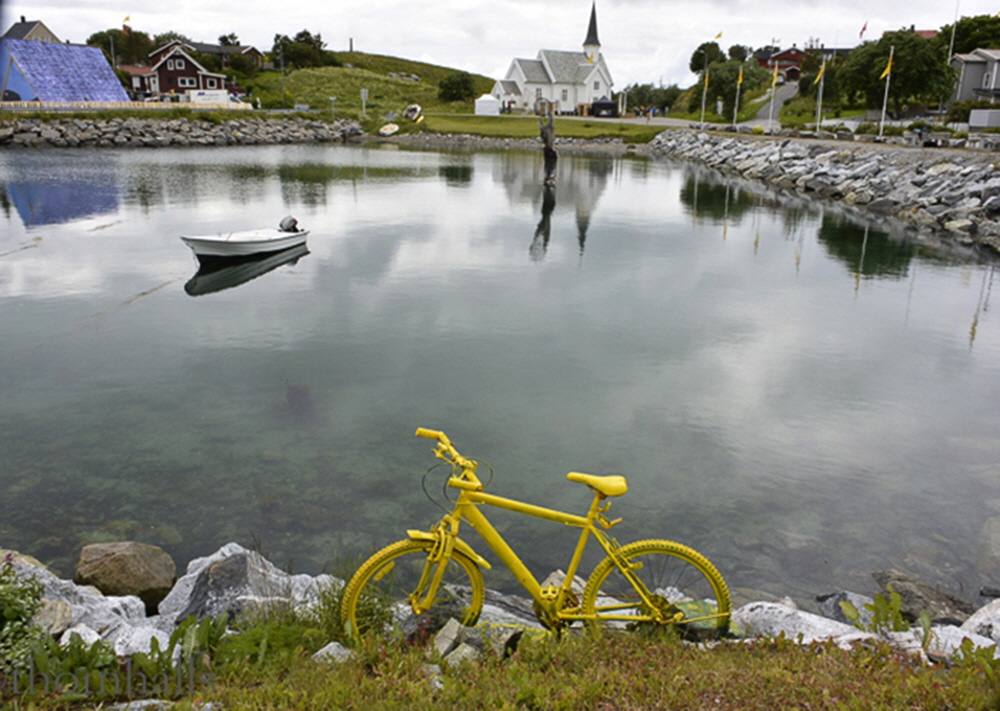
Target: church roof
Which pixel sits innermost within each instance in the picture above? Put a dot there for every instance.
(534, 71)
(566, 67)
(65, 72)
(592, 29)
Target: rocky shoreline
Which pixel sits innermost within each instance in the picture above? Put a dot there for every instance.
(235, 580)
(952, 193)
(154, 133)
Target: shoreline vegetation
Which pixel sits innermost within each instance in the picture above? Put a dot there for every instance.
(235, 632)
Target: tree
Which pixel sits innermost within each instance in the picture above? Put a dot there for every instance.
(919, 71)
(230, 40)
(459, 86)
(169, 36)
(661, 98)
(123, 47)
(739, 53)
(971, 33)
(723, 78)
(304, 50)
(709, 50)
(812, 63)
(313, 40)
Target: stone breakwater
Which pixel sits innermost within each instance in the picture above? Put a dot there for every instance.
(954, 194)
(152, 132)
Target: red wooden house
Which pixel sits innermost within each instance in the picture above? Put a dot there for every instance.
(788, 61)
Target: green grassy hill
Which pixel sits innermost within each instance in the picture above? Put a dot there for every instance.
(363, 71)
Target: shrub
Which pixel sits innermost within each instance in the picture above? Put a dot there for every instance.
(460, 86)
(20, 599)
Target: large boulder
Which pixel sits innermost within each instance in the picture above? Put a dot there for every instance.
(770, 619)
(127, 568)
(917, 597)
(233, 580)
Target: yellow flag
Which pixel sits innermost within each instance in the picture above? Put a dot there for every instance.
(718, 36)
(888, 69)
(740, 80)
(706, 78)
(774, 79)
(820, 75)
(127, 18)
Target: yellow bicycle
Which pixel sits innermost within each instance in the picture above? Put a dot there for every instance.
(435, 574)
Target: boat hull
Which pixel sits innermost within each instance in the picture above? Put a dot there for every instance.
(241, 244)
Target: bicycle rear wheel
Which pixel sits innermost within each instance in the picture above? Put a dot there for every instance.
(378, 597)
(686, 590)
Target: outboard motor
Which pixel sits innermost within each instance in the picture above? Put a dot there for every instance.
(289, 224)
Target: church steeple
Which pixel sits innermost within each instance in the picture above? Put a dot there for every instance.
(592, 45)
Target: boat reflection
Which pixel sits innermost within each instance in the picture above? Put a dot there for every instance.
(219, 273)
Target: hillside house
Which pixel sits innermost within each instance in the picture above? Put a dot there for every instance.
(977, 75)
(788, 62)
(225, 52)
(31, 31)
(571, 81)
(174, 71)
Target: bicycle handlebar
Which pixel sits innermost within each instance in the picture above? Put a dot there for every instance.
(446, 450)
(430, 434)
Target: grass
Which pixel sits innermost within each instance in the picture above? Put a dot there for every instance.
(513, 126)
(616, 672)
(268, 665)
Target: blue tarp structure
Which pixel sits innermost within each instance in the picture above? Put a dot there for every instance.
(41, 71)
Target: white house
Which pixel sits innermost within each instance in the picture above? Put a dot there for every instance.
(572, 81)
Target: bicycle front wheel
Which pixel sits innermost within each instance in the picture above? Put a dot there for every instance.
(379, 595)
(683, 588)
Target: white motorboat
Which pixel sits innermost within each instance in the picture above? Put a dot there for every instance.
(241, 244)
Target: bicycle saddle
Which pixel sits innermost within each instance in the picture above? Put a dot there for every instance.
(614, 485)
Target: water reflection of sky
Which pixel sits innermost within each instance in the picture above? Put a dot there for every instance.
(801, 397)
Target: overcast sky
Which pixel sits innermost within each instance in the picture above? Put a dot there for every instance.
(643, 41)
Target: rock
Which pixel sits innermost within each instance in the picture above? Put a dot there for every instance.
(448, 637)
(333, 652)
(829, 606)
(234, 580)
(86, 635)
(917, 597)
(985, 621)
(433, 674)
(140, 639)
(945, 639)
(462, 653)
(769, 619)
(127, 568)
(55, 617)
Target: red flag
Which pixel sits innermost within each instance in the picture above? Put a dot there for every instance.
(861, 34)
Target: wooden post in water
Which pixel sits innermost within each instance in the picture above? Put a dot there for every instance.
(548, 131)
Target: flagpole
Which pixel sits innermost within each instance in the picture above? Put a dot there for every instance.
(819, 97)
(704, 90)
(774, 95)
(885, 100)
(736, 107)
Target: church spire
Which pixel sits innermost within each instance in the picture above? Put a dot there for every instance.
(592, 45)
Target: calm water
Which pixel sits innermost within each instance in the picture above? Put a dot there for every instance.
(801, 397)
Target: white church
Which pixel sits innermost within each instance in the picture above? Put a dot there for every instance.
(572, 81)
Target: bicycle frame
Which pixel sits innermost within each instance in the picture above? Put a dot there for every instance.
(471, 496)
